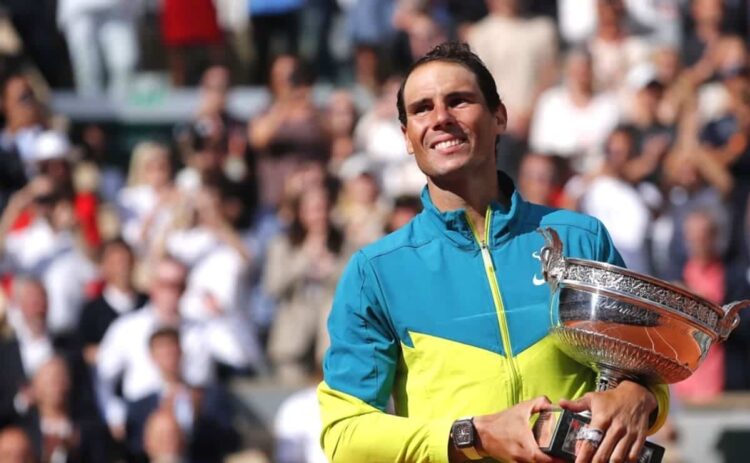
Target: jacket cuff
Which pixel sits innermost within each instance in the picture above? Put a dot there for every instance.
(661, 393)
(439, 438)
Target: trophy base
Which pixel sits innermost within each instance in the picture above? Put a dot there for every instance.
(556, 432)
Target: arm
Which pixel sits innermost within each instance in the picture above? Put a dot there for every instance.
(359, 371)
(284, 267)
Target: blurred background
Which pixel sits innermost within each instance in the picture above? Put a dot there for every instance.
(182, 182)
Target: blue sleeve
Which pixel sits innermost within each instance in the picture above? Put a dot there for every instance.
(364, 351)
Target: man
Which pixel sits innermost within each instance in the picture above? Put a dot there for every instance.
(124, 350)
(422, 315)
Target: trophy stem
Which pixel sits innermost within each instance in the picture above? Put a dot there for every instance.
(609, 378)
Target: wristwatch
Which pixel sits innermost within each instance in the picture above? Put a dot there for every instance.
(464, 437)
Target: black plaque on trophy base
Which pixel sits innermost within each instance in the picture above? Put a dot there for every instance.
(556, 432)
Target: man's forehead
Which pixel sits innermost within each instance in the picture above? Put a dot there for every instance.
(441, 77)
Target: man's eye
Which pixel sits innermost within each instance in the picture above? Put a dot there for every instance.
(421, 109)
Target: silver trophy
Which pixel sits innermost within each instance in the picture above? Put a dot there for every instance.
(624, 325)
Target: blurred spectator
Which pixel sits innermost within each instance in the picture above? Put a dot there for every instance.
(692, 178)
(29, 347)
(652, 138)
(302, 269)
(379, 138)
(144, 203)
(503, 37)
(614, 49)
(118, 297)
(418, 32)
(705, 22)
(297, 426)
(404, 209)
(290, 131)
(576, 20)
(274, 22)
(726, 139)
(572, 120)
(124, 351)
(163, 438)
(342, 119)
(539, 179)
(360, 210)
(620, 205)
(15, 446)
(203, 415)
(48, 248)
(215, 255)
(57, 433)
(99, 30)
(23, 123)
(370, 28)
(659, 22)
(704, 274)
(24, 352)
(189, 27)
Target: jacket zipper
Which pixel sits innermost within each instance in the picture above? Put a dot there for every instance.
(489, 269)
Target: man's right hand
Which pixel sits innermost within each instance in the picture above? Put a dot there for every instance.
(507, 435)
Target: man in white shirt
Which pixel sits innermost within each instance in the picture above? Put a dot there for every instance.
(124, 351)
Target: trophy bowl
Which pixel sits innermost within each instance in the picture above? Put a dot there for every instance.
(623, 325)
(627, 325)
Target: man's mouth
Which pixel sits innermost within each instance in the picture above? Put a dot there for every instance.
(445, 144)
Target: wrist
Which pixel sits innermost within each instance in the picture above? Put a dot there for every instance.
(465, 441)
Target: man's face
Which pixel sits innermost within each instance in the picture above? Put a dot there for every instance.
(166, 290)
(449, 128)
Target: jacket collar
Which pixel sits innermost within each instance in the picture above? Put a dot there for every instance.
(455, 225)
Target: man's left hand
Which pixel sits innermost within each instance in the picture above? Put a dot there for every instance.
(622, 414)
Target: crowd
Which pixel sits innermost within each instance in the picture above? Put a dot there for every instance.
(131, 297)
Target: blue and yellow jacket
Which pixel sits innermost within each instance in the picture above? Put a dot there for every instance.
(449, 327)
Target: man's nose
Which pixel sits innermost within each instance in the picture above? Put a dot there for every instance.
(443, 115)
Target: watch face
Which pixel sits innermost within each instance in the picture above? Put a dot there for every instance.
(463, 434)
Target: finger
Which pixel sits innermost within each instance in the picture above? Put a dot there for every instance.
(637, 447)
(621, 451)
(579, 405)
(540, 404)
(612, 437)
(537, 456)
(584, 451)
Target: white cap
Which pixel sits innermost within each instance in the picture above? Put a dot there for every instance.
(641, 76)
(51, 145)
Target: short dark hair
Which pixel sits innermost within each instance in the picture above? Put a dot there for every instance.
(459, 53)
(164, 332)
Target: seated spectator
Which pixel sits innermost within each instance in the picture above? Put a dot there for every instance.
(48, 248)
(539, 180)
(302, 268)
(143, 203)
(56, 432)
(704, 274)
(204, 415)
(15, 446)
(379, 139)
(572, 120)
(124, 351)
(23, 124)
(163, 438)
(360, 210)
(291, 131)
(117, 298)
(31, 347)
(404, 209)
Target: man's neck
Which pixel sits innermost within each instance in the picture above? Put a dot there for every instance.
(473, 196)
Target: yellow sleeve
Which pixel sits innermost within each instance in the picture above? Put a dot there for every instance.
(661, 392)
(354, 431)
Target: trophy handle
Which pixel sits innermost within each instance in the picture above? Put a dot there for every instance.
(551, 255)
(731, 318)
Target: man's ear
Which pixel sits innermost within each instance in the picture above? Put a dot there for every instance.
(501, 118)
(409, 146)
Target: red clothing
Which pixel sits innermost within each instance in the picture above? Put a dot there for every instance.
(189, 22)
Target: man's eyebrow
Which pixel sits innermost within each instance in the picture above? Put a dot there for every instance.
(468, 94)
